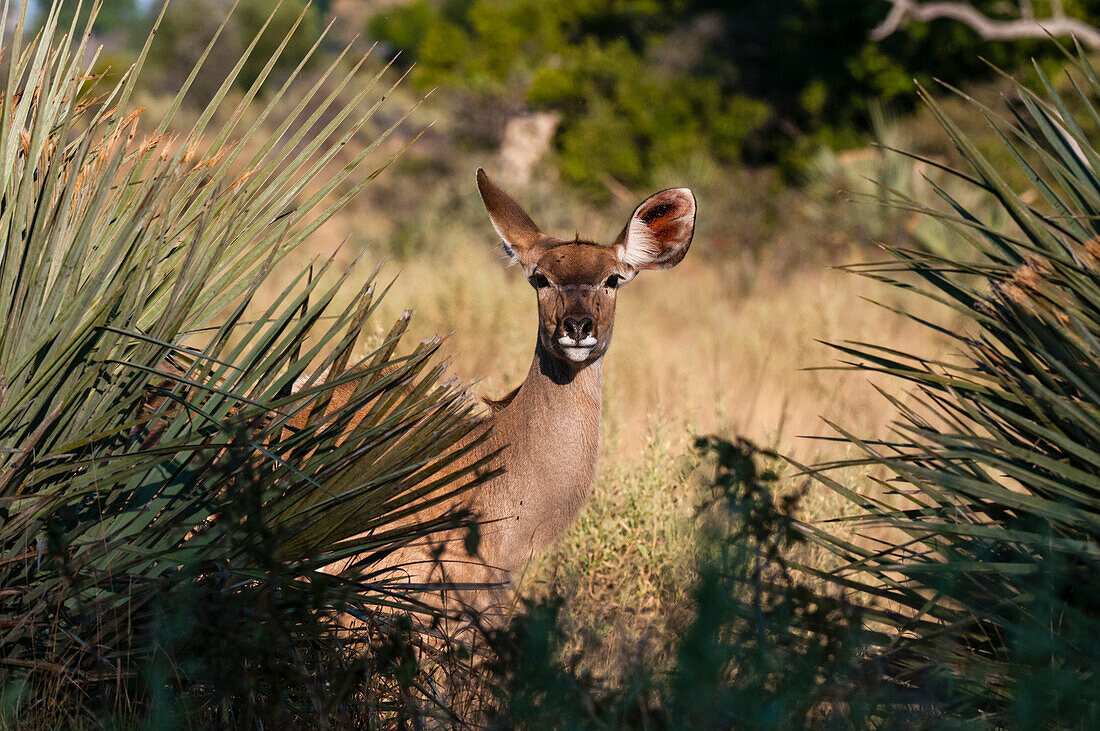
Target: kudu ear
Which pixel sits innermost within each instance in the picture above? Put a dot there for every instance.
(659, 233)
(518, 233)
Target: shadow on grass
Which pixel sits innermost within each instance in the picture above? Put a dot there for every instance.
(766, 648)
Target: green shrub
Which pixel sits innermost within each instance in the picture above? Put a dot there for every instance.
(624, 115)
(161, 535)
(639, 82)
(816, 66)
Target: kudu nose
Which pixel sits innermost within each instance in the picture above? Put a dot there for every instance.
(578, 329)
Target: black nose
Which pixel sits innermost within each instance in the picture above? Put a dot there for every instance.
(578, 329)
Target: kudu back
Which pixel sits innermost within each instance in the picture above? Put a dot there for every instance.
(547, 430)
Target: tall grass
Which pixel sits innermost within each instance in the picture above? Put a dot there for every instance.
(162, 530)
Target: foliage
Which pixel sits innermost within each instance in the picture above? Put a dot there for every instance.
(982, 551)
(163, 529)
(624, 116)
(642, 86)
(764, 649)
(187, 26)
(815, 65)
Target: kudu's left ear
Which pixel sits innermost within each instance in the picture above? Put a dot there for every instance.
(659, 233)
(519, 235)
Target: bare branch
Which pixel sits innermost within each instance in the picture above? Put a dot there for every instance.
(904, 11)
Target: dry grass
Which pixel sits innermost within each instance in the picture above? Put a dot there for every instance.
(691, 354)
(712, 346)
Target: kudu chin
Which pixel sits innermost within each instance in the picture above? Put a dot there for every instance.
(547, 431)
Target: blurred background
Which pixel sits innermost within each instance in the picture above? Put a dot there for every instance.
(777, 113)
(768, 110)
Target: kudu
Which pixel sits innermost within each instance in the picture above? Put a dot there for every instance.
(547, 430)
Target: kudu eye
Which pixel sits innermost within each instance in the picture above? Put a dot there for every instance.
(612, 281)
(538, 281)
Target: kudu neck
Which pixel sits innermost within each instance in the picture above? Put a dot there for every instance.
(550, 436)
(559, 380)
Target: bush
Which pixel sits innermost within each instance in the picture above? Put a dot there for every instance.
(639, 83)
(161, 536)
(989, 570)
(624, 114)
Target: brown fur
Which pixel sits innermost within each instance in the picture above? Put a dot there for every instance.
(340, 395)
(498, 404)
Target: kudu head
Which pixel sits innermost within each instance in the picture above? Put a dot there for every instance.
(577, 281)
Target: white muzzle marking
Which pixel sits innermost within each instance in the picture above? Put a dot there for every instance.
(577, 350)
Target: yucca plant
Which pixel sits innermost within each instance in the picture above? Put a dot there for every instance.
(980, 540)
(161, 528)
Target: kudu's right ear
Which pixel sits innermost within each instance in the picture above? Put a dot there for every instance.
(660, 231)
(519, 235)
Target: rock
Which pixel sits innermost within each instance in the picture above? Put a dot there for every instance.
(527, 138)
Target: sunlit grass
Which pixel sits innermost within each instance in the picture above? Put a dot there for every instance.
(625, 566)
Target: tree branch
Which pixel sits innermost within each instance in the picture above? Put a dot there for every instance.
(904, 11)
